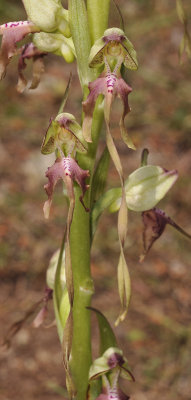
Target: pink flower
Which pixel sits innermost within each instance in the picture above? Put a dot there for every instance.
(67, 169)
(111, 85)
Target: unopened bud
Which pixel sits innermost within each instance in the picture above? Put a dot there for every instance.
(44, 13)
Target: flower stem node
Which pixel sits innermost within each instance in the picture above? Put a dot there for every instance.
(113, 46)
(64, 134)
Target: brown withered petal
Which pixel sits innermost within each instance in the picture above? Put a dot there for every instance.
(154, 222)
(12, 33)
(67, 169)
(154, 225)
(27, 52)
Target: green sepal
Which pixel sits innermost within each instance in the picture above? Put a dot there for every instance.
(66, 133)
(107, 336)
(145, 187)
(101, 46)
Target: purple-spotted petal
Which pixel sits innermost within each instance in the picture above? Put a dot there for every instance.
(27, 52)
(69, 171)
(12, 33)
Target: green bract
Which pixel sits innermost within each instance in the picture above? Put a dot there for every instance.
(64, 133)
(112, 358)
(55, 43)
(48, 15)
(113, 45)
(145, 187)
(51, 271)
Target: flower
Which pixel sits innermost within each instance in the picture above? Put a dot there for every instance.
(111, 360)
(12, 33)
(64, 134)
(27, 52)
(114, 45)
(67, 169)
(110, 84)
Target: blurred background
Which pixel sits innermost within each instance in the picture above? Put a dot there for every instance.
(156, 336)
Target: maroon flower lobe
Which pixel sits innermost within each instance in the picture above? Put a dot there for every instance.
(12, 33)
(29, 51)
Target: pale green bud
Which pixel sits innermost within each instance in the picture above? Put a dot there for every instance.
(44, 13)
(55, 43)
(145, 187)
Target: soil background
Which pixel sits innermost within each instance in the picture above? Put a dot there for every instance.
(156, 336)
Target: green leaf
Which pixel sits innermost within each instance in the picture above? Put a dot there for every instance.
(107, 336)
(100, 176)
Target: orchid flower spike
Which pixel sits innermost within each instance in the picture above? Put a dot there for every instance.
(64, 133)
(12, 33)
(67, 169)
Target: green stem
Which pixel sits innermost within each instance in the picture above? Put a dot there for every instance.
(81, 358)
(98, 13)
